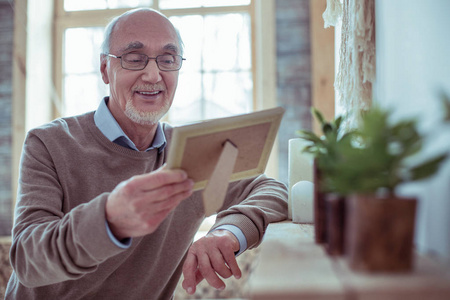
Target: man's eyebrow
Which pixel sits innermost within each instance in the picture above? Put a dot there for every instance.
(171, 47)
(133, 46)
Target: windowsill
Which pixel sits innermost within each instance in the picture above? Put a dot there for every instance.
(292, 266)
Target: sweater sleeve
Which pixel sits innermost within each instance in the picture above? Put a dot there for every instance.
(251, 205)
(51, 241)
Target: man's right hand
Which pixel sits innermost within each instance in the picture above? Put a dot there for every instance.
(137, 206)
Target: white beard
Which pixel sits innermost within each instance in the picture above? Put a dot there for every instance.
(145, 117)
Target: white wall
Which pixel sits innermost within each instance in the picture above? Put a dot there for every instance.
(413, 62)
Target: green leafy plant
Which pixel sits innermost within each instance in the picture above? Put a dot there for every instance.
(379, 156)
(324, 147)
(321, 144)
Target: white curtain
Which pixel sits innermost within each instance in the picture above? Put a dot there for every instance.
(356, 70)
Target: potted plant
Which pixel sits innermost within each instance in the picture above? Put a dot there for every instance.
(328, 207)
(368, 168)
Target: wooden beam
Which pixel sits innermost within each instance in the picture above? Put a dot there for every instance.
(265, 68)
(322, 63)
(19, 89)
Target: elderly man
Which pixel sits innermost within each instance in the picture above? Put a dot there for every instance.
(98, 215)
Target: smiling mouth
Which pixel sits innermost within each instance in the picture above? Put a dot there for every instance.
(148, 93)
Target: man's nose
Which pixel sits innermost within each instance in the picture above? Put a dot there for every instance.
(151, 72)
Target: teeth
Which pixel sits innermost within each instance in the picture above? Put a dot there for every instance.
(149, 93)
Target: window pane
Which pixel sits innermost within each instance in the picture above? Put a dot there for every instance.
(227, 93)
(191, 29)
(83, 87)
(227, 42)
(73, 5)
(82, 49)
(167, 4)
(216, 79)
(188, 104)
(82, 93)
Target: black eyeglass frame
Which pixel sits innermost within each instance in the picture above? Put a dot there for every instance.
(148, 59)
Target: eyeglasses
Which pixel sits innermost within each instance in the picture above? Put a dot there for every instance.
(138, 61)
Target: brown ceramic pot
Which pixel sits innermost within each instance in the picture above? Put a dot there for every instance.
(335, 222)
(380, 232)
(320, 226)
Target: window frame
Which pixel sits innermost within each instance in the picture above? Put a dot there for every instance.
(91, 18)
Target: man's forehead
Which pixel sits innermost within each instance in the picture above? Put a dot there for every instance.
(145, 20)
(145, 29)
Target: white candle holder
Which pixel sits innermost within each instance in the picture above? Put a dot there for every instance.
(300, 166)
(302, 202)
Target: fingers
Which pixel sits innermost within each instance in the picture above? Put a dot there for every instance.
(152, 202)
(169, 188)
(206, 265)
(137, 206)
(171, 192)
(190, 273)
(228, 245)
(163, 198)
(209, 258)
(160, 178)
(232, 264)
(195, 271)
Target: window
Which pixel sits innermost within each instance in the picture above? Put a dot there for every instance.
(82, 83)
(77, 5)
(216, 80)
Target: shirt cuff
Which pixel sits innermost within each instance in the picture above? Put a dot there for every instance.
(238, 234)
(124, 244)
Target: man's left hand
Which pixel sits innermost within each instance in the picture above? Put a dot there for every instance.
(209, 257)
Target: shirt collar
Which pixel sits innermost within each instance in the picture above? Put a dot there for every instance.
(105, 121)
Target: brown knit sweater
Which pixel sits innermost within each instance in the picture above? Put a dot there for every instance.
(61, 249)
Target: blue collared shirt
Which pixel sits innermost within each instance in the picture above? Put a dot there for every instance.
(105, 121)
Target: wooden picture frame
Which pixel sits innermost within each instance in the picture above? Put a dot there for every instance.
(196, 148)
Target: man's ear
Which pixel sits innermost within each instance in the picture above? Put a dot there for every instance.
(103, 68)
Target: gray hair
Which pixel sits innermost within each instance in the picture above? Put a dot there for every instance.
(106, 44)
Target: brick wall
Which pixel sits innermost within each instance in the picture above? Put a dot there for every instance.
(293, 73)
(6, 44)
